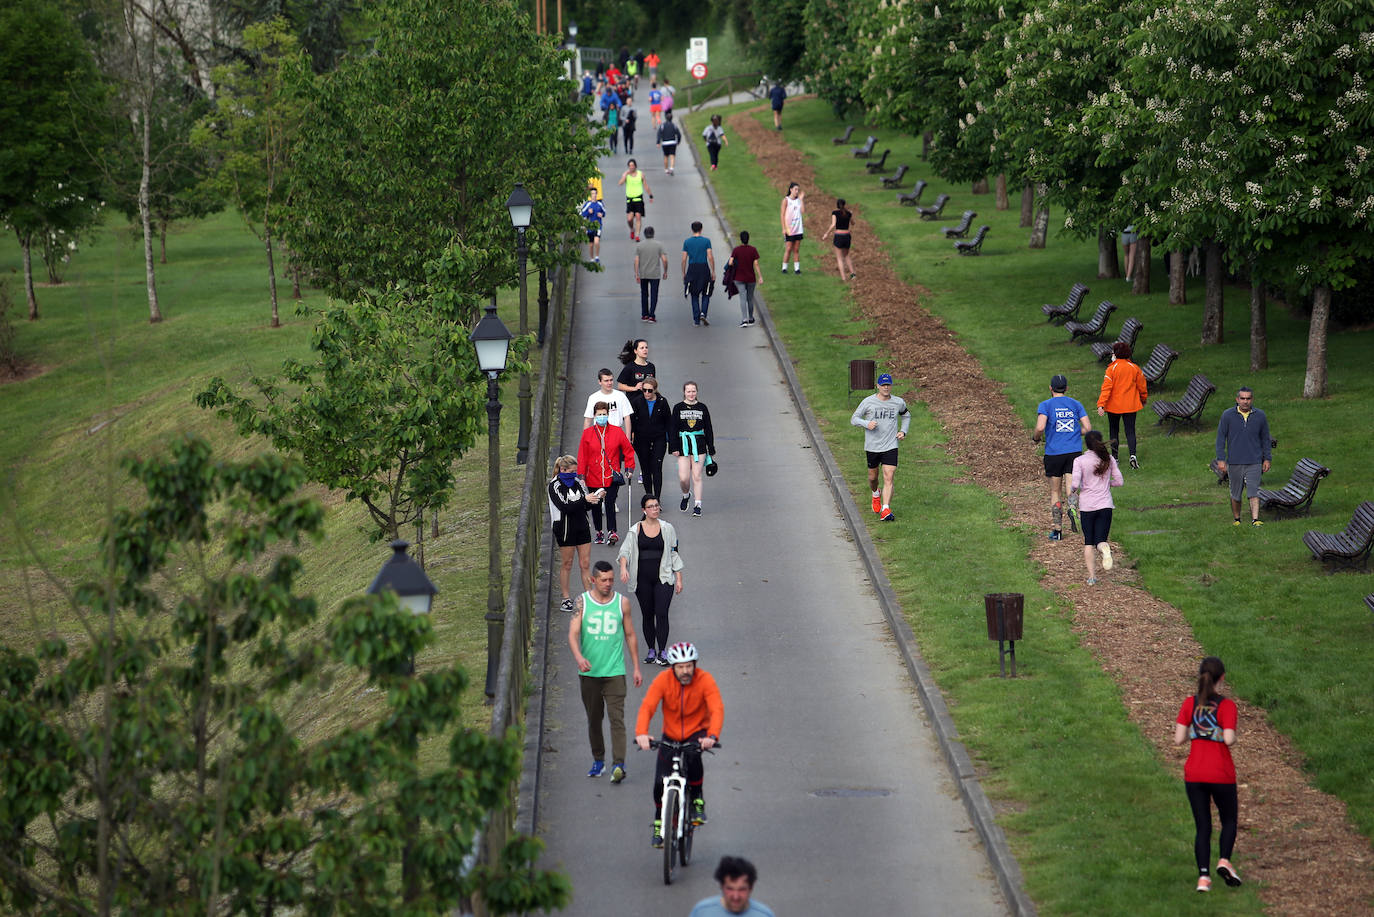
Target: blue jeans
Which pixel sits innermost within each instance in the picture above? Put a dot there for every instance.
(648, 297)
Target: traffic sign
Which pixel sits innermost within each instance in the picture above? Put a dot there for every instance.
(699, 70)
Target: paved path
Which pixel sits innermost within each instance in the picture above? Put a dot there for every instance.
(830, 779)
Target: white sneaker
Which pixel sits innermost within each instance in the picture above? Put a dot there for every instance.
(1106, 555)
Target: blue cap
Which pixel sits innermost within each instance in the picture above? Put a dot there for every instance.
(885, 379)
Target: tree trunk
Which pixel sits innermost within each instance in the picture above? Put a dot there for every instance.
(1108, 262)
(295, 279)
(162, 240)
(980, 186)
(1178, 281)
(271, 271)
(145, 215)
(1213, 319)
(1259, 325)
(26, 240)
(1003, 202)
(1140, 281)
(1027, 206)
(1040, 231)
(927, 139)
(1314, 383)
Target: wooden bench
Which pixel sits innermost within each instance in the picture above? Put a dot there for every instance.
(935, 209)
(1130, 332)
(1296, 496)
(878, 164)
(843, 138)
(973, 246)
(1349, 549)
(865, 151)
(1188, 409)
(913, 196)
(1094, 327)
(960, 231)
(1157, 367)
(1069, 310)
(895, 180)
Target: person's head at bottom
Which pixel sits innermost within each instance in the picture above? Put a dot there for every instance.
(736, 876)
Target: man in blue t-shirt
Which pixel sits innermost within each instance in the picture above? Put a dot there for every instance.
(736, 876)
(594, 212)
(1062, 421)
(698, 272)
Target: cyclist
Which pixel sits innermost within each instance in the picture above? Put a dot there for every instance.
(692, 710)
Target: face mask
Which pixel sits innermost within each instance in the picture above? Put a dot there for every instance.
(567, 478)
(602, 420)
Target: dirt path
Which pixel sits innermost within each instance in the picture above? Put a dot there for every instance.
(1292, 836)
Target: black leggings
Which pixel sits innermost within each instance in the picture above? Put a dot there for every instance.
(650, 457)
(654, 598)
(714, 150)
(695, 773)
(1113, 427)
(1200, 797)
(608, 502)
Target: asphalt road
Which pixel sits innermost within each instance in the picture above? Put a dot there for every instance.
(830, 779)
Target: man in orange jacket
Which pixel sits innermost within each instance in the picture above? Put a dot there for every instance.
(692, 710)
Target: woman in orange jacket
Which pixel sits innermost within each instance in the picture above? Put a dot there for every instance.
(1123, 394)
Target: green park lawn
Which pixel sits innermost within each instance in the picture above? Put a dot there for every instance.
(1096, 818)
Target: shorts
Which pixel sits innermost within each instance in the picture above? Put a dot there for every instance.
(656, 108)
(1096, 524)
(1056, 466)
(1130, 238)
(593, 235)
(842, 240)
(881, 458)
(635, 206)
(1246, 477)
(669, 149)
(796, 238)
(777, 107)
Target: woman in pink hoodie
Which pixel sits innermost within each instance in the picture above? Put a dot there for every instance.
(1095, 473)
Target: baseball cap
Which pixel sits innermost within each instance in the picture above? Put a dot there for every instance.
(885, 379)
(1058, 383)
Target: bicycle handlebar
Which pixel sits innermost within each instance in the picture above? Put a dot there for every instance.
(690, 745)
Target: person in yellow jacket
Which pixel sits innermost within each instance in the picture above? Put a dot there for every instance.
(1123, 395)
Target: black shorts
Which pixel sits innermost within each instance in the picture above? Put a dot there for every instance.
(1056, 466)
(881, 458)
(636, 206)
(593, 235)
(842, 240)
(796, 238)
(669, 149)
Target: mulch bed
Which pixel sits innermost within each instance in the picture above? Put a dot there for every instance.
(1295, 840)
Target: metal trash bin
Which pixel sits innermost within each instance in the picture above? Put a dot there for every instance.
(1006, 614)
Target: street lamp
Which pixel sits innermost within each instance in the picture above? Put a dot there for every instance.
(520, 206)
(403, 576)
(491, 338)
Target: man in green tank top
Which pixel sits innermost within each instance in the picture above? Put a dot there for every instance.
(600, 630)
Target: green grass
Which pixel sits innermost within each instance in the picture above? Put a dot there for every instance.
(1080, 786)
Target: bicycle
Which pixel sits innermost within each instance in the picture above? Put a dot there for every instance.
(677, 822)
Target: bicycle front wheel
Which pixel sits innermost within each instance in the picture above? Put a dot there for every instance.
(672, 813)
(685, 848)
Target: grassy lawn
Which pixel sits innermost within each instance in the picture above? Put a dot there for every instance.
(1099, 825)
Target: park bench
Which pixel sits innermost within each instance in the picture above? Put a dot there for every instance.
(960, 231)
(1130, 332)
(1296, 496)
(1348, 549)
(1094, 327)
(934, 210)
(1369, 601)
(895, 179)
(843, 138)
(865, 151)
(878, 164)
(913, 196)
(1157, 367)
(1069, 310)
(973, 246)
(1188, 409)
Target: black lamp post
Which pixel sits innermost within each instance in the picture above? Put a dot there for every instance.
(521, 209)
(492, 339)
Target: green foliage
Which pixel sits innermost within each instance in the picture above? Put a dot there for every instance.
(150, 768)
(778, 40)
(415, 147)
(835, 60)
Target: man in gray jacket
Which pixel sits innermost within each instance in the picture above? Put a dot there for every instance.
(1243, 451)
(880, 415)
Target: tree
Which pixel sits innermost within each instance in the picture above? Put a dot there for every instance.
(252, 130)
(48, 185)
(391, 400)
(156, 765)
(837, 53)
(777, 40)
(414, 147)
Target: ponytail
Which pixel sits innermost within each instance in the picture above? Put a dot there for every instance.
(627, 353)
(1104, 457)
(1209, 673)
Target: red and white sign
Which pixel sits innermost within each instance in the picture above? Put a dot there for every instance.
(699, 70)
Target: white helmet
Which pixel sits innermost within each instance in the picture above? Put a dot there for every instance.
(682, 652)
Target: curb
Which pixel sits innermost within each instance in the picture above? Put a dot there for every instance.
(976, 803)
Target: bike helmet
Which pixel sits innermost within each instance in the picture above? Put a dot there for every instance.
(682, 652)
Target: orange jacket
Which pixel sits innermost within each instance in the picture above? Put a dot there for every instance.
(687, 709)
(1123, 388)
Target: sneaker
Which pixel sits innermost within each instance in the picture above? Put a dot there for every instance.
(877, 505)
(596, 260)
(612, 537)
(887, 515)
(1135, 463)
(1236, 522)
(652, 320)
(1228, 873)
(1256, 523)
(1056, 535)
(618, 773)
(683, 504)
(662, 659)
(600, 538)
(566, 605)
(696, 510)
(657, 840)
(1204, 883)
(796, 270)
(744, 323)
(784, 269)
(1092, 581)
(597, 768)
(1106, 555)
(650, 659)
(639, 478)
(705, 322)
(699, 812)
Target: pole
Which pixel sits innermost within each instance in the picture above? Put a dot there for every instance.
(522, 446)
(496, 605)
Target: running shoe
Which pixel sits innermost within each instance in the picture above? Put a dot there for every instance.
(597, 768)
(1056, 535)
(596, 260)
(1228, 873)
(1204, 883)
(657, 840)
(887, 515)
(1106, 555)
(744, 323)
(650, 659)
(685, 500)
(566, 605)
(612, 537)
(877, 504)
(600, 538)
(696, 510)
(699, 812)
(1092, 581)
(1256, 523)
(618, 773)
(652, 320)
(662, 659)
(796, 270)
(1135, 463)
(1236, 522)
(705, 322)
(784, 269)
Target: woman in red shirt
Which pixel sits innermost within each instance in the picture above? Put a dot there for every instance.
(1209, 721)
(745, 258)
(601, 455)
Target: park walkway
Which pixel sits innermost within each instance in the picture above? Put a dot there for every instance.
(830, 779)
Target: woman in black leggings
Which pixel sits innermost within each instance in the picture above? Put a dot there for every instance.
(649, 559)
(652, 418)
(1208, 721)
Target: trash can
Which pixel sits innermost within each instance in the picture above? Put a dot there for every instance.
(1005, 611)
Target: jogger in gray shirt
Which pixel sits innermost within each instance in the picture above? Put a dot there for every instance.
(885, 419)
